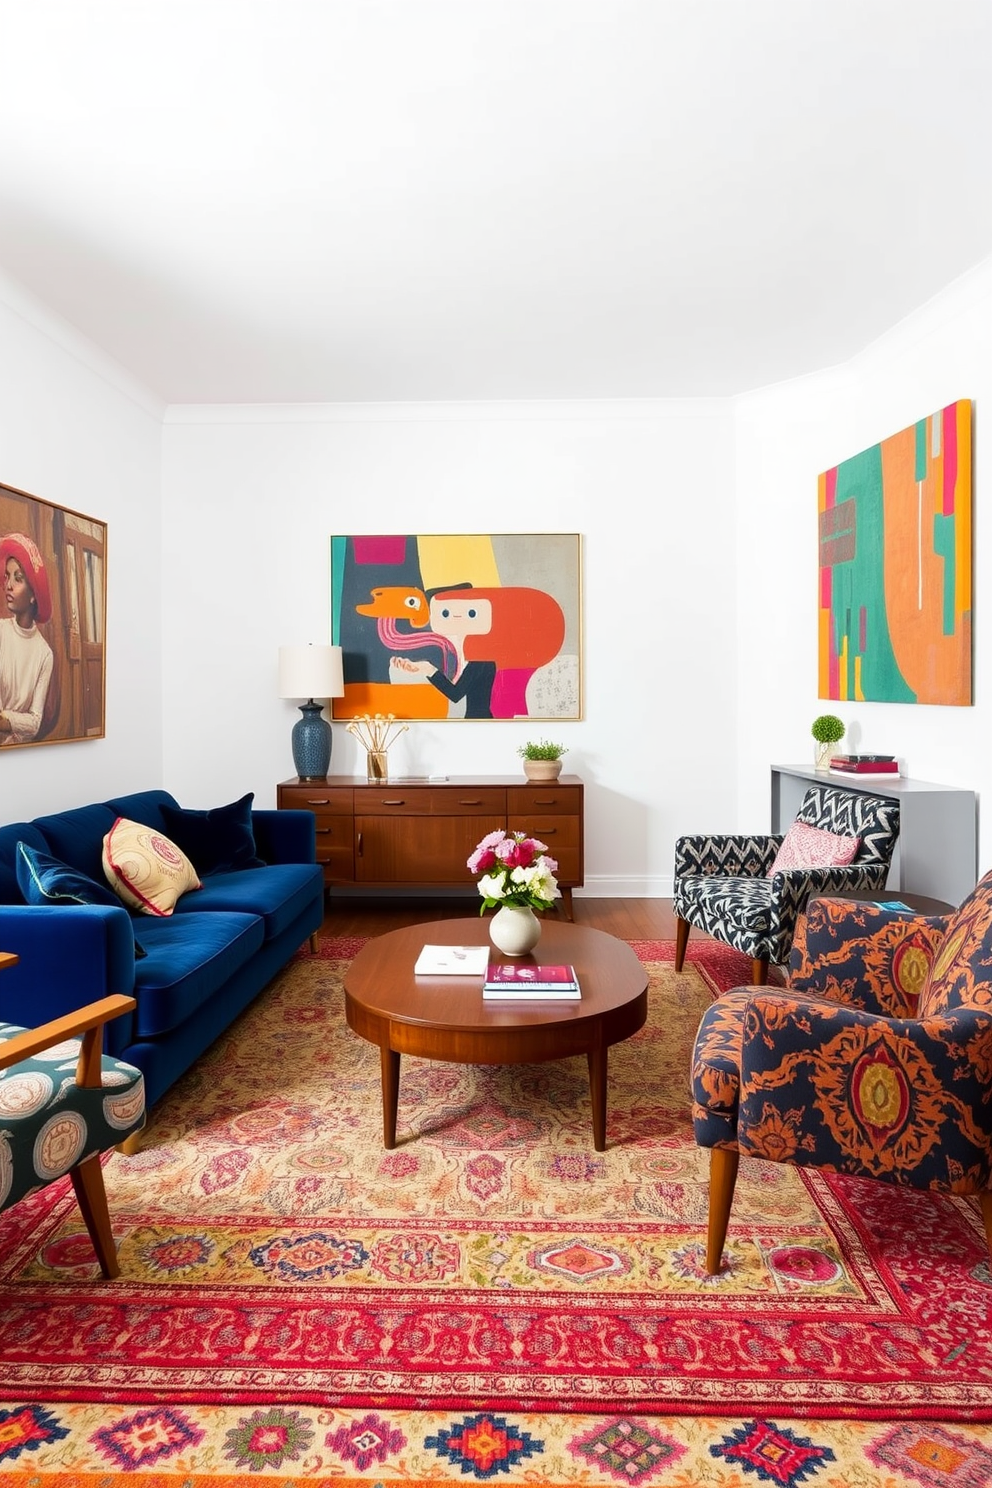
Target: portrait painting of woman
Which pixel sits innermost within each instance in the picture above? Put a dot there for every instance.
(52, 619)
(25, 656)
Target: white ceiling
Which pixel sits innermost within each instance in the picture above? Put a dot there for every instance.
(340, 200)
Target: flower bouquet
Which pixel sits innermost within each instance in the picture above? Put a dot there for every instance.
(516, 873)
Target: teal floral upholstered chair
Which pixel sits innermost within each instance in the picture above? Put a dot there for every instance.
(876, 1059)
(749, 890)
(62, 1104)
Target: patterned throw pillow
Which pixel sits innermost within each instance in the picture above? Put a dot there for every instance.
(814, 847)
(145, 869)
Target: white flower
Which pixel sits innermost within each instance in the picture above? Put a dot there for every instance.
(492, 885)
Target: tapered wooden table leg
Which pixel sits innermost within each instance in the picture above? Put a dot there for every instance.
(597, 1092)
(390, 1062)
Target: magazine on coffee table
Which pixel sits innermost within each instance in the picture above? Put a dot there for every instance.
(451, 960)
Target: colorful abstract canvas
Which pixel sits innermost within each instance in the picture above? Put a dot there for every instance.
(895, 602)
(472, 626)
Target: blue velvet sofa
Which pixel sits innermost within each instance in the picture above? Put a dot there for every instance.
(202, 964)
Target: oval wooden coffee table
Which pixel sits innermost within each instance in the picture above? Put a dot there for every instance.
(445, 1017)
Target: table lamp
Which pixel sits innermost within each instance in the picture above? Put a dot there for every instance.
(311, 672)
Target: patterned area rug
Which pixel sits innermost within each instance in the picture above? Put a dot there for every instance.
(491, 1299)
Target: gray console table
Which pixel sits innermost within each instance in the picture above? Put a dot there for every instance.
(937, 851)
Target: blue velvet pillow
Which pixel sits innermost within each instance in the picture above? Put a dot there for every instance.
(216, 841)
(44, 880)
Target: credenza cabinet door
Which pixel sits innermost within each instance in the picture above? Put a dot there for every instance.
(410, 850)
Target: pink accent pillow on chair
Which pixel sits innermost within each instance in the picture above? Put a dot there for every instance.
(814, 847)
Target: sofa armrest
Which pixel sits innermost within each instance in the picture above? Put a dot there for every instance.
(285, 836)
(69, 955)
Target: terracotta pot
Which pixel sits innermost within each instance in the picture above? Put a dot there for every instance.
(542, 769)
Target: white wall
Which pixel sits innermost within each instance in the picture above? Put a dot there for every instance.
(252, 497)
(787, 435)
(75, 430)
(698, 522)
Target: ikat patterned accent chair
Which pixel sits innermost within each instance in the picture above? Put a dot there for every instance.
(876, 1059)
(62, 1104)
(724, 885)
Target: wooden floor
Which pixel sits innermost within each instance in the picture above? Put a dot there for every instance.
(630, 919)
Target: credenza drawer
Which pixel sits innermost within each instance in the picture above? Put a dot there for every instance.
(562, 835)
(336, 845)
(400, 800)
(527, 800)
(320, 799)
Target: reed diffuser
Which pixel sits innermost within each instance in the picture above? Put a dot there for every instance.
(375, 734)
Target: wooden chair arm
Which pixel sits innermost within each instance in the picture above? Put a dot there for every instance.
(87, 1020)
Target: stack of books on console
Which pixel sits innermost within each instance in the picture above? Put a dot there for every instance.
(507, 982)
(864, 764)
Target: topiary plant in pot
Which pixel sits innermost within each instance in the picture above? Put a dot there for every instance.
(542, 759)
(827, 730)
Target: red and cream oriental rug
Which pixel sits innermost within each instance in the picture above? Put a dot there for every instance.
(493, 1298)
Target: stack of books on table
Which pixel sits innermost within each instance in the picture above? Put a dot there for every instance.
(864, 764)
(508, 982)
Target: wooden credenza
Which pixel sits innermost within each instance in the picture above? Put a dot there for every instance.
(415, 833)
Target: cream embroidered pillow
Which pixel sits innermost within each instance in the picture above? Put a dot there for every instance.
(145, 869)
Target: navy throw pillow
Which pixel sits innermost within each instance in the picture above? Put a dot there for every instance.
(44, 880)
(217, 841)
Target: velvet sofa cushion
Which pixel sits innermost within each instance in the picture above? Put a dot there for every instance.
(147, 870)
(43, 879)
(76, 836)
(190, 958)
(220, 840)
(278, 895)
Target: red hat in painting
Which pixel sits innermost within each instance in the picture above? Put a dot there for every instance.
(25, 550)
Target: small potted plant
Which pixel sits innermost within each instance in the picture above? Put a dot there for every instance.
(542, 759)
(828, 730)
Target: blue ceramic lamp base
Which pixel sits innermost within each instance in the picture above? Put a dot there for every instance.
(311, 743)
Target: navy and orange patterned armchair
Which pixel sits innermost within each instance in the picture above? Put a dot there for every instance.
(876, 1059)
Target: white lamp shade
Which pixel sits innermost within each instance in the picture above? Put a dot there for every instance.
(310, 672)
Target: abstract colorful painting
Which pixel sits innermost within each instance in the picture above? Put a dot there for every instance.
(895, 605)
(458, 627)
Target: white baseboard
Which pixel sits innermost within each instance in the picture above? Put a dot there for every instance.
(605, 887)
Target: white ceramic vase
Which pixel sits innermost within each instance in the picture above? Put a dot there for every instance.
(514, 930)
(822, 753)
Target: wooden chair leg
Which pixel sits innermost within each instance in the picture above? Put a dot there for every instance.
(87, 1180)
(985, 1199)
(681, 942)
(759, 971)
(724, 1163)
